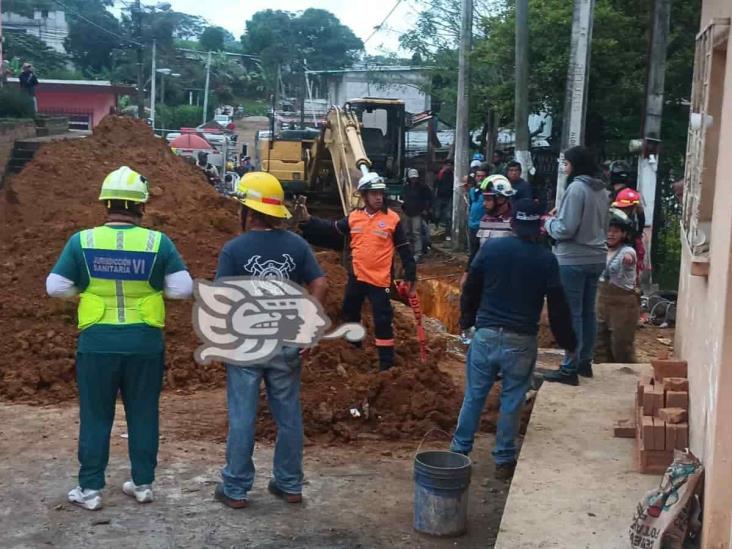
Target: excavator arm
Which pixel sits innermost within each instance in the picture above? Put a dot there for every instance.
(340, 151)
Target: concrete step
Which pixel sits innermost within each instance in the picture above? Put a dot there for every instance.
(27, 145)
(15, 165)
(22, 154)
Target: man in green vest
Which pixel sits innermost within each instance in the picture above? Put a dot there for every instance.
(121, 271)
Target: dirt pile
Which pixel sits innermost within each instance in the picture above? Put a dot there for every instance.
(344, 396)
(55, 196)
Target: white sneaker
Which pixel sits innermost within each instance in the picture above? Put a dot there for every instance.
(142, 493)
(88, 499)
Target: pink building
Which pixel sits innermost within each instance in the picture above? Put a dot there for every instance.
(84, 102)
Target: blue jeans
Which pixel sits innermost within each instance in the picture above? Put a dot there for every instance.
(282, 382)
(580, 286)
(496, 350)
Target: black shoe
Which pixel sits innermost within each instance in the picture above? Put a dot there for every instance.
(585, 370)
(219, 495)
(504, 471)
(287, 496)
(562, 377)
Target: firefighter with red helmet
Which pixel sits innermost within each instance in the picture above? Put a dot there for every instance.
(628, 201)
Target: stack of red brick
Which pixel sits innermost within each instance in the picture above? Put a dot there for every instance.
(662, 408)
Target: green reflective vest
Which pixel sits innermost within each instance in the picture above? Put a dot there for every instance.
(119, 263)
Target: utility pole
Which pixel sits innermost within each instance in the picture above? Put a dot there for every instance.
(652, 116)
(205, 89)
(140, 69)
(462, 129)
(153, 72)
(575, 96)
(521, 106)
(2, 59)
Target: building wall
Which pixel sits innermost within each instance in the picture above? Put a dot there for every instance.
(704, 327)
(69, 103)
(404, 85)
(51, 27)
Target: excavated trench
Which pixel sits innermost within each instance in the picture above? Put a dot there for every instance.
(440, 297)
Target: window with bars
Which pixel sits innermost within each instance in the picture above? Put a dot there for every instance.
(703, 138)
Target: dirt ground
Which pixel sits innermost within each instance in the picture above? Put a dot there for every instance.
(247, 128)
(358, 495)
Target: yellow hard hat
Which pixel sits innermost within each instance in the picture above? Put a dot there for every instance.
(229, 165)
(263, 193)
(125, 184)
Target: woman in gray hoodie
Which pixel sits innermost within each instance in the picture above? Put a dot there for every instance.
(580, 232)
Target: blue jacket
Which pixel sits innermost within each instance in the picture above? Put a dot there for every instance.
(476, 212)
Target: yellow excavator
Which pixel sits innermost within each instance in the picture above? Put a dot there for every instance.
(365, 135)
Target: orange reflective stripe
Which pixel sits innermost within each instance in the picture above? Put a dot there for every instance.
(384, 342)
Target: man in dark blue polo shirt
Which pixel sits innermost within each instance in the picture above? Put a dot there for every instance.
(503, 297)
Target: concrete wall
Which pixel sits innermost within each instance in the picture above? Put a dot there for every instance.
(704, 324)
(404, 85)
(10, 131)
(49, 26)
(68, 103)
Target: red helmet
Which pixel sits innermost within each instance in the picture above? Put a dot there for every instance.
(626, 198)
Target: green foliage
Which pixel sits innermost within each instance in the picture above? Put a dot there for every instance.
(21, 48)
(214, 39)
(183, 116)
(315, 39)
(15, 104)
(254, 107)
(87, 44)
(617, 69)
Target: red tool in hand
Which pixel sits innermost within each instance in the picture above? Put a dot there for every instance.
(416, 305)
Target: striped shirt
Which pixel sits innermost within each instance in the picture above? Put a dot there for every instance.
(494, 227)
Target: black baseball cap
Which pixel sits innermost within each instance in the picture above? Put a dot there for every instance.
(526, 221)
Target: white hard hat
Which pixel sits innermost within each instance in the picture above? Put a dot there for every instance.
(412, 173)
(372, 181)
(475, 163)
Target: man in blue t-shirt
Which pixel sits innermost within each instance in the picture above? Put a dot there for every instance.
(503, 297)
(266, 250)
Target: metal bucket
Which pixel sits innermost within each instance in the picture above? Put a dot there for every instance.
(441, 481)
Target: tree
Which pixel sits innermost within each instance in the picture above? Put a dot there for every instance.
(314, 39)
(212, 39)
(20, 48)
(617, 70)
(90, 47)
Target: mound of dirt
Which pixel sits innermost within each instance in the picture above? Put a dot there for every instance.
(344, 396)
(55, 196)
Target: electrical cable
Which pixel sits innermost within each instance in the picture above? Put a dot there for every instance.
(93, 24)
(377, 28)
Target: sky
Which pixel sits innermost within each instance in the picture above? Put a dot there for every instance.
(231, 15)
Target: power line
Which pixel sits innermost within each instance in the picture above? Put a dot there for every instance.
(377, 28)
(93, 24)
